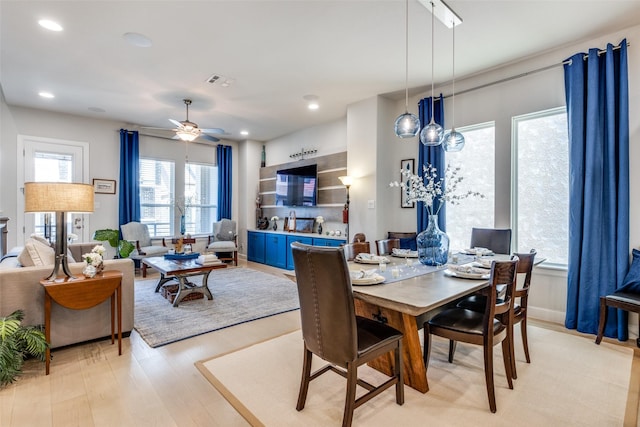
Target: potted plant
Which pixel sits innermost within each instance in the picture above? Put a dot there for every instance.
(123, 247)
(16, 343)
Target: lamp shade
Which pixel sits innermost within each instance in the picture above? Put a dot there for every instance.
(58, 197)
(346, 180)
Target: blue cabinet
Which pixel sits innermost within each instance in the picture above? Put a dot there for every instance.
(256, 247)
(290, 240)
(275, 250)
(317, 241)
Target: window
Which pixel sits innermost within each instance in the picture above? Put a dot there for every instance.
(201, 195)
(51, 167)
(540, 203)
(157, 178)
(477, 163)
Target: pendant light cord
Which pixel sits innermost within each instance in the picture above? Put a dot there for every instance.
(406, 57)
(432, 61)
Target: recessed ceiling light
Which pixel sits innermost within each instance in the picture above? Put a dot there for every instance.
(313, 106)
(46, 94)
(312, 102)
(50, 25)
(244, 132)
(137, 39)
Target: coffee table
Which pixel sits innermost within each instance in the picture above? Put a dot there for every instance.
(181, 270)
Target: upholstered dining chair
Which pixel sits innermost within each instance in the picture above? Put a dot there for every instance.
(138, 234)
(386, 246)
(519, 313)
(407, 239)
(351, 250)
(496, 239)
(223, 240)
(333, 332)
(484, 329)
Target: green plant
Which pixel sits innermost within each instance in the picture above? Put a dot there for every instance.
(16, 343)
(123, 247)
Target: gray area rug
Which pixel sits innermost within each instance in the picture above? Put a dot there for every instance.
(239, 295)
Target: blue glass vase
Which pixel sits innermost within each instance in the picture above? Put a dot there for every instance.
(433, 244)
(183, 225)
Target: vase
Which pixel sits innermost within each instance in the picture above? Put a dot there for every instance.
(89, 271)
(183, 225)
(433, 244)
(275, 226)
(319, 228)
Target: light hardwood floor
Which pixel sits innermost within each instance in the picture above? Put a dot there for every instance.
(90, 385)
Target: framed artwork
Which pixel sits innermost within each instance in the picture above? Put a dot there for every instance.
(104, 186)
(406, 165)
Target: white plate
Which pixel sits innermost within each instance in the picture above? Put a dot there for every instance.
(367, 281)
(464, 275)
(376, 260)
(408, 254)
(483, 252)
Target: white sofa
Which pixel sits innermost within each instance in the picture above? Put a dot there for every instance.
(20, 289)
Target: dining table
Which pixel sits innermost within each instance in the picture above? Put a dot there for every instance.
(411, 293)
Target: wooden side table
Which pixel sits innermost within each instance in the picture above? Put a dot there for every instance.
(83, 293)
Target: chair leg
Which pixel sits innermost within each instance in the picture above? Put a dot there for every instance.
(452, 349)
(304, 382)
(350, 399)
(508, 362)
(488, 375)
(525, 341)
(426, 351)
(512, 350)
(398, 371)
(144, 269)
(235, 258)
(603, 319)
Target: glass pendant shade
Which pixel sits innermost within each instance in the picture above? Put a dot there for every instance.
(453, 141)
(407, 125)
(431, 135)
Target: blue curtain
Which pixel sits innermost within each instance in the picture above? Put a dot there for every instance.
(598, 117)
(129, 208)
(223, 154)
(431, 155)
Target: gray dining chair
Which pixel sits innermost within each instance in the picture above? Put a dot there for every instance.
(496, 239)
(386, 246)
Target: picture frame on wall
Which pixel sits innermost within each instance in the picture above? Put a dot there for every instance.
(406, 165)
(104, 186)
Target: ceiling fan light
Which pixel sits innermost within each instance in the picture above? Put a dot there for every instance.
(407, 125)
(431, 135)
(187, 135)
(453, 141)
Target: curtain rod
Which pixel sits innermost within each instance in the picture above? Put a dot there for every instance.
(537, 70)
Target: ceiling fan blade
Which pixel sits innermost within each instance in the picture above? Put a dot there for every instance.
(150, 127)
(175, 122)
(208, 137)
(218, 131)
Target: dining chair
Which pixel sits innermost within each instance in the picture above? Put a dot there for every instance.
(138, 234)
(351, 250)
(496, 239)
(333, 332)
(359, 237)
(472, 327)
(386, 246)
(519, 313)
(407, 239)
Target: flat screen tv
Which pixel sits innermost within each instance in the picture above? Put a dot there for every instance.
(297, 186)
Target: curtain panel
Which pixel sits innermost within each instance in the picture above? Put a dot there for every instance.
(225, 176)
(129, 200)
(596, 90)
(431, 155)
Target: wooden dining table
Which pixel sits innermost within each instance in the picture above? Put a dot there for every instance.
(404, 305)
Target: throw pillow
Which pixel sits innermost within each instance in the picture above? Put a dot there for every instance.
(225, 237)
(631, 283)
(36, 253)
(408, 243)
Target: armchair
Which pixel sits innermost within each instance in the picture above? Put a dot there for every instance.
(224, 239)
(138, 234)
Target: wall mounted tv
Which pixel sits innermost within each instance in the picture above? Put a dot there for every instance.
(297, 186)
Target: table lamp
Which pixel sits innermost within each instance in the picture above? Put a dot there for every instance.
(59, 197)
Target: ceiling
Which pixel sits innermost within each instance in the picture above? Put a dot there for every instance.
(276, 52)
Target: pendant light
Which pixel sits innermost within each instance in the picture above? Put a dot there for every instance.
(407, 125)
(431, 135)
(453, 140)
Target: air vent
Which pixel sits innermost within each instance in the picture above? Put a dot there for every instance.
(213, 78)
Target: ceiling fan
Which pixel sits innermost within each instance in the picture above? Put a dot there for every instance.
(188, 131)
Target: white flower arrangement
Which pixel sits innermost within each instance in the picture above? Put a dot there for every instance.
(94, 257)
(274, 218)
(319, 219)
(429, 187)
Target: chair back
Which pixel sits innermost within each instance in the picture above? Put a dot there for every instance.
(359, 237)
(224, 230)
(351, 250)
(525, 266)
(135, 231)
(326, 302)
(385, 246)
(503, 273)
(496, 239)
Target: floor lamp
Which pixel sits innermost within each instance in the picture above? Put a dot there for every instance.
(59, 197)
(346, 181)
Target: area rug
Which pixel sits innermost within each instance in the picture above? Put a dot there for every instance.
(239, 295)
(570, 382)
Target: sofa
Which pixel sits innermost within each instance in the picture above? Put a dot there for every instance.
(20, 289)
